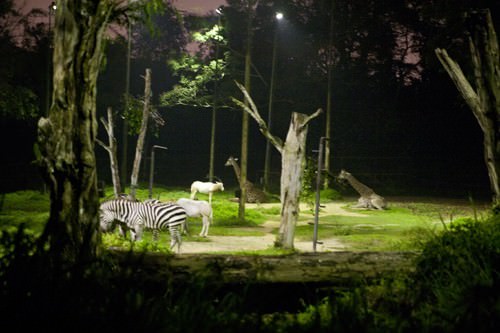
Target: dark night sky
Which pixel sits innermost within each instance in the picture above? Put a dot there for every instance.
(445, 157)
(194, 6)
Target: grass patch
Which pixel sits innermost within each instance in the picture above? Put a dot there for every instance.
(27, 201)
(394, 229)
(30, 208)
(403, 226)
(270, 251)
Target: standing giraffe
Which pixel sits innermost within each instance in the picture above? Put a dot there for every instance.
(254, 194)
(368, 199)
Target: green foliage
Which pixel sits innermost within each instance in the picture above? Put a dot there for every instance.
(115, 241)
(496, 208)
(308, 191)
(213, 35)
(17, 101)
(457, 279)
(133, 114)
(330, 195)
(28, 201)
(308, 180)
(197, 73)
(30, 208)
(103, 295)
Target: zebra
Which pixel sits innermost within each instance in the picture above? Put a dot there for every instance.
(156, 232)
(137, 215)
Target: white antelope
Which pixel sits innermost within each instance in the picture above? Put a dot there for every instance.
(198, 208)
(206, 188)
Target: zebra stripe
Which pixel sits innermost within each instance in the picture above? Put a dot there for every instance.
(137, 216)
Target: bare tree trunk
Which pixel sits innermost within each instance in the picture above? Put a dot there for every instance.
(292, 165)
(66, 137)
(328, 114)
(142, 134)
(112, 150)
(293, 157)
(484, 101)
(244, 121)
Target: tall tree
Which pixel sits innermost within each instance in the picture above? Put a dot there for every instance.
(292, 152)
(484, 99)
(66, 137)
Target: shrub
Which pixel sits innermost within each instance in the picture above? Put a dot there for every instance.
(456, 283)
(105, 295)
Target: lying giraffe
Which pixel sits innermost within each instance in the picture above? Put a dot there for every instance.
(254, 194)
(368, 198)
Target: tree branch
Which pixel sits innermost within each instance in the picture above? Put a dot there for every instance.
(462, 84)
(252, 110)
(103, 145)
(311, 117)
(105, 124)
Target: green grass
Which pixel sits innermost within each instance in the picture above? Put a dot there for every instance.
(401, 227)
(28, 207)
(396, 229)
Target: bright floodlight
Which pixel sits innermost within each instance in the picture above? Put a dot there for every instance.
(279, 15)
(219, 10)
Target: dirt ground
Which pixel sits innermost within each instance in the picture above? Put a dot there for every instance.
(252, 243)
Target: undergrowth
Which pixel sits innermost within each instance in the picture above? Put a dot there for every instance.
(454, 287)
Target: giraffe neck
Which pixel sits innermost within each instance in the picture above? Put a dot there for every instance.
(236, 169)
(361, 188)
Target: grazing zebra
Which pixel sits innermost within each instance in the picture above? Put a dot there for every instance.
(156, 232)
(137, 216)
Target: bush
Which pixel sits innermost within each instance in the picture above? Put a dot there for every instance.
(456, 283)
(105, 295)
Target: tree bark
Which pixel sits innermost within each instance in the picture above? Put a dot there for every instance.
(292, 152)
(293, 159)
(66, 137)
(244, 120)
(112, 150)
(484, 101)
(328, 113)
(142, 134)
